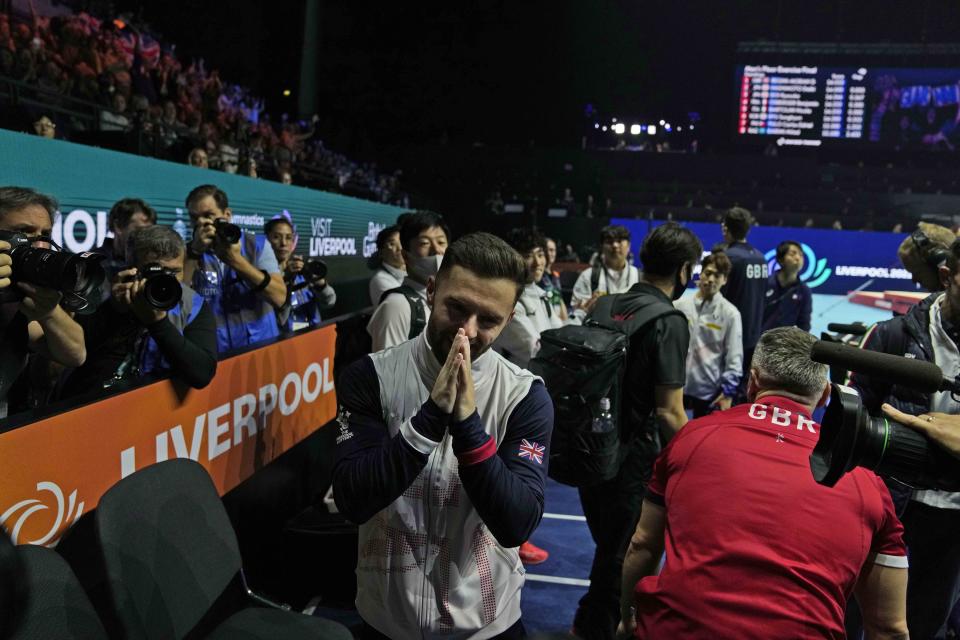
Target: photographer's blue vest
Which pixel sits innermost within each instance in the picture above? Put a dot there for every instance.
(151, 360)
(303, 305)
(243, 316)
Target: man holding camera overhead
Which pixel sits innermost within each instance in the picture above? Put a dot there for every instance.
(237, 273)
(151, 323)
(31, 318)
(308, 291)
(929, 331)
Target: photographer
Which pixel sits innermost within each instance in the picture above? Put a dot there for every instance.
(31, 319)
(766, 553)
(129, 336)
(929, 331)
(238, 276)
(307, 294)
(126, 216)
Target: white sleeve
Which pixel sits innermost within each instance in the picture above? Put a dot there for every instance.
(581, 289)
(390, 324)
(377, 288)
(519, 341)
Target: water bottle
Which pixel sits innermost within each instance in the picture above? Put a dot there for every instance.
(604, 422)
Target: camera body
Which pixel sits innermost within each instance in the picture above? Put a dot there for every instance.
(227, 232)
(315, 269)
(850, 437)
(75, 275)
(161, 290)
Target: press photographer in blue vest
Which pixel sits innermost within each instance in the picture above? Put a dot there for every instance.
(308, 291)
(236, 272)
(151, 323)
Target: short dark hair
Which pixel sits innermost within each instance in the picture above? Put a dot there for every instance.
(524, 240)
(613, 232)
(415, 223)
(719, 261)
(487, 256)
(738, 221)
(205, 190)
(384, 236)
(782, 362)
(159, 240)
(784, 246)
(123, 210)
(273, 222)
(953, 259)
(16, 198)
(667, 247)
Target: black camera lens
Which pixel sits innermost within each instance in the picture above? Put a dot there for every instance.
(161, 290)
(317, 269)
(227, 231)
(850, 437)
(76, 275)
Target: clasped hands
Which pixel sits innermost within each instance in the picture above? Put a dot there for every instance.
(453, 391)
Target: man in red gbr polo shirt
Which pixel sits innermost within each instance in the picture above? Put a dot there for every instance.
(755, 548)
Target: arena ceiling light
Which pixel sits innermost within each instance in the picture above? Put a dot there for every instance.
(619, 128)
(634, 129)
(652, 130)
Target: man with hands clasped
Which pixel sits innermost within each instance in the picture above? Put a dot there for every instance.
(442, 458)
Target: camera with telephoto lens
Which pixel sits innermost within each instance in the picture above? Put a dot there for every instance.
(315, 269)
(161, 290)
(850, 437)
(227, 232)
(77, 276)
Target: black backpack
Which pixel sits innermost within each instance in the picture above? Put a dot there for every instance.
(353, 340)
(582, 364)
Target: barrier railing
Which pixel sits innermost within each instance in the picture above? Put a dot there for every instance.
(260, 404)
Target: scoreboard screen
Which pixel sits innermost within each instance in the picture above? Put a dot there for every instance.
(798, 105)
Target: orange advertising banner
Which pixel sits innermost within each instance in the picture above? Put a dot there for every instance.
(259, 405)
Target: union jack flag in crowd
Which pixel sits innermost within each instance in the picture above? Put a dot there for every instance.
(532, 451)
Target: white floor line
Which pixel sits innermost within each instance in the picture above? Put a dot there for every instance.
(563, 516)
(577, 582)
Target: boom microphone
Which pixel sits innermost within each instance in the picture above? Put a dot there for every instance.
(847, 329)
(922, 376)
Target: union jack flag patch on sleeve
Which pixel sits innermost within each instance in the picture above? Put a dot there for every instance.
(531, 451)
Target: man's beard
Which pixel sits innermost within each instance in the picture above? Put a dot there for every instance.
(442, 342)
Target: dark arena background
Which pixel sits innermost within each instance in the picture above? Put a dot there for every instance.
(835, 124)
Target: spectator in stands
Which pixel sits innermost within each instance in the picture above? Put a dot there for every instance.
(45, 127)
(931, 519)
(248, 167)
(651, 411)
(31, 318)
(128, 337)
(306, 295)
(115, 119)
(924, 251)
(198, 158)
(402, 315)
(550, 282)
(389, 264)
(241, 281)
(789, 302)
(126, 216)
(286, 177)
(746, 286)
(476, 446)
(715, 358)
(768, 553)
(610, 274)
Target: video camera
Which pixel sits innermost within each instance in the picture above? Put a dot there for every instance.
(850, 437)
(77, 276)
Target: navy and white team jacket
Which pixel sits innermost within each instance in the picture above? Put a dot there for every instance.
(441, 505)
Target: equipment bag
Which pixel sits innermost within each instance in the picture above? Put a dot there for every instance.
(582, 364)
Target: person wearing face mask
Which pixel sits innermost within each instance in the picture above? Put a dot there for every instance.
(611, 273)
(442, 458)
(128, 337)
(651, 411)
(403, 311)
(715, 359)
(389, 265)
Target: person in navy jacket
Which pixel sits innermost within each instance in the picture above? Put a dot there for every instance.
(789, 302)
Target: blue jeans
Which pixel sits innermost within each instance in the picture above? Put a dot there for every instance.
(933, 540)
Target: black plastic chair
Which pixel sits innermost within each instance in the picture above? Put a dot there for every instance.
(173, 564)
(57, 606)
